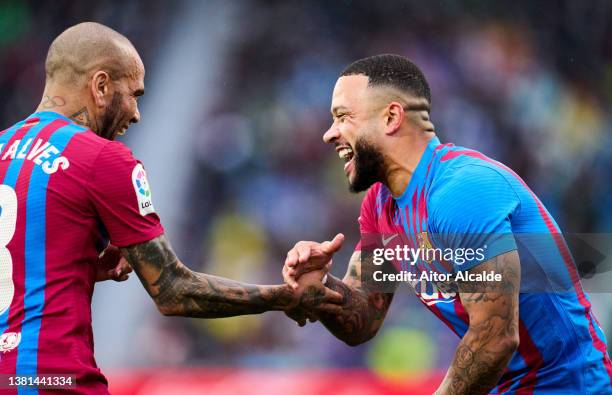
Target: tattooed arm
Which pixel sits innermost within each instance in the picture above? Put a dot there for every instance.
(493, 335)
(363, 308)
(177, 290)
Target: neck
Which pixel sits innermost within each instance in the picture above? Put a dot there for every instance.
(69, 105)
(403, 159)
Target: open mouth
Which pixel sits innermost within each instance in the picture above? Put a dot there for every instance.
(346, 153)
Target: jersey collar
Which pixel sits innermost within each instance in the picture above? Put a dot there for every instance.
(419, 173)
(48, 115)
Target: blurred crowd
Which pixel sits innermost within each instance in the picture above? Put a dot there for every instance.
(527, 83)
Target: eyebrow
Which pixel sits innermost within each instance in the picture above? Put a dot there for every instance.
(334, 110)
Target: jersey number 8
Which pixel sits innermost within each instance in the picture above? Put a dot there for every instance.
(8, 221)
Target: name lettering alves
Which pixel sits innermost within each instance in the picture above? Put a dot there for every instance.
(41, 152)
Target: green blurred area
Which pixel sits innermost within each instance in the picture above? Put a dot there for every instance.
(14, 21)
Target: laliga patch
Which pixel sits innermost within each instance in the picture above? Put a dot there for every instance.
(143, 191)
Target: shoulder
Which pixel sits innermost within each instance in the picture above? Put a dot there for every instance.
(113, 159)
(89, 145)
(468, 172)
(114, 152)
(473, 188)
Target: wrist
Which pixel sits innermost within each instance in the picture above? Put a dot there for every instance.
(282, 297)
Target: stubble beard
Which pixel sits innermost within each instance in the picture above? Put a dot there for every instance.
(110, 122)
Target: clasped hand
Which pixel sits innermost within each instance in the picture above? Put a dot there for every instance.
(305, 270)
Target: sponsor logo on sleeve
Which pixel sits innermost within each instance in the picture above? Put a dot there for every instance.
(143, 191)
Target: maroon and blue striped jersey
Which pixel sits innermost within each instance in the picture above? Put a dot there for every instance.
(460, 198)
(64, 193)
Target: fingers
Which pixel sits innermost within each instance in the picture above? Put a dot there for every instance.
(303, 251)
(289, 278)
(297, 316)
(117, 276)
(292, 258)
(299, 253)
(125, 266)
(121, 272)
(302, 317)
(112, 275)
(332, 296)
(307, 256)
(122, 278)
(333, 246)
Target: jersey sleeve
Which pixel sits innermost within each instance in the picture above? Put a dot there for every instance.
(368, 229)
(121, 196)
(471, 216)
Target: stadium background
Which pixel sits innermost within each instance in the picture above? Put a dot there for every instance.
(237, 98)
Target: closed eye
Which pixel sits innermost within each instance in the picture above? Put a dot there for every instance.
(340, 117)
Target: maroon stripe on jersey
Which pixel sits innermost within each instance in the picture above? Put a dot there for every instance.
(533, 360)
(70, 275)
(17, 244)
(421, 211)
(460, 311)
(532, 357)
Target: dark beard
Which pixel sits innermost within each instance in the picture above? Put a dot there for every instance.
(369, 166)
(110, 120)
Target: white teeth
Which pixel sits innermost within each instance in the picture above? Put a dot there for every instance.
(345, 153)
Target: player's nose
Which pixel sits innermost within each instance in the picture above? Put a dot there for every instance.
(331, 134)
(136, 117)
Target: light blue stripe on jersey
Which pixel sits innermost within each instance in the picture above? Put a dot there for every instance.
(35, 249)
(10, 178)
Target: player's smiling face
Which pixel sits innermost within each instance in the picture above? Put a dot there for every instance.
(123, 108)
(354, 131)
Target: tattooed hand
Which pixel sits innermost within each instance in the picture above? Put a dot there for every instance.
(362, 309)
(314, 298)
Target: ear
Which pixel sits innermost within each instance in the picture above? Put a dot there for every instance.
(100, 88)
(394, 117)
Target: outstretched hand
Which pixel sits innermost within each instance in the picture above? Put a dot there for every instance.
(308, 256)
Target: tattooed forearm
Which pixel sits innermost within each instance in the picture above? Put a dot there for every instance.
(363, 310)
(362, 313)
(177, 290)
(492, 337)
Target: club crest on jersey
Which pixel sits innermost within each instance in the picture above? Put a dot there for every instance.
(424, 244)
(9, 341)
(142, 189)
